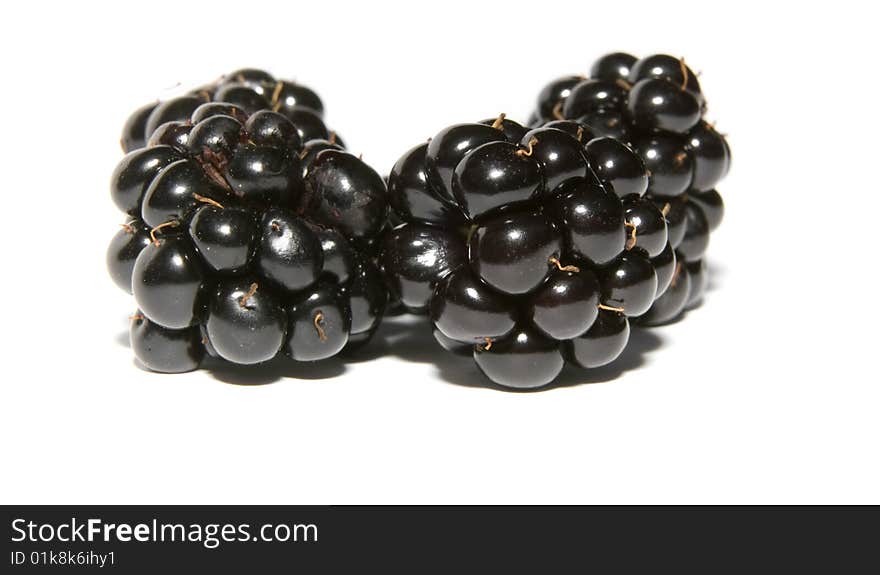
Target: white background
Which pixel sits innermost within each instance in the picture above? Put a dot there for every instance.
(768, 393)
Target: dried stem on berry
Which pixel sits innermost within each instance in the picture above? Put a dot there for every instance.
(499, 121)
(563, 268)
(246, 297)
(684, 73)
(207, 200)
(557, 111)
(631, 242)
(528, 152)
(168, 224)
(319, 319)
(128, 227)
(610, 308)
(485, 346)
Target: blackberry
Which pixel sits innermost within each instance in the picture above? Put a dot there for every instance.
(241, 242)
(518, 251)
(655, 107)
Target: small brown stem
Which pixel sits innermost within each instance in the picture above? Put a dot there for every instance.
(563, 268)
(666, 208)
(250, 293)
(684, 73)
(679, 158)
(499, 121)
(529, 151)
(610, 308)
(128, 227)
(169, 224)
(631, 242)
(623, 83)
(319, 319)
(676, 274)
(275, 227)
(486, 346)
(557, 111)
(136, 317)
(207, 200)
(332, 137)
(276, 93)
(580, 134)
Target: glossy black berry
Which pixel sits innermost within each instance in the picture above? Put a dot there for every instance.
(566, 305)
(668, 68)
(670, 165)
(339, 258)
(675, 212)
(524, 359)
(367, 299)
(514, 253)
(575, 129)
(672, 302)
(346, 193)
(629, 283)
(592, 221)
(696, 236)
(466, 310)
(645, 226)
(211, 109)
(609, 123)
(289, 253)
(251, 77)
(613, 67)
(166, 282)
(174, 194)
(135, 127)
(711, 156)
(699, 281)
(711, 204)
(665, 266)
(617, 166)
(513, 131)
(495, 175)
(559, 154)
(246, 321)
(308, 124)
(319, 323)
(602, 344)
(449, 344)
(218, 135)
(311, 150)
(273, 129)
(554, 94)
(165, 350)
(134, 174)
(410, 195)
(289, 96)
(174, 110)
(224, 237)
(655, 104)
(449, 147)
(174, 134)
(261, 174)
(242, 96)
(124, 249)
(416, 257)
(592, 96)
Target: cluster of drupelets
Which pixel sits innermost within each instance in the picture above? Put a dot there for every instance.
(252, 233)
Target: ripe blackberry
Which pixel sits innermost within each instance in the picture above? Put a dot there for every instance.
(238, 95)
(654, 106)
(241, 242)
(518, 251)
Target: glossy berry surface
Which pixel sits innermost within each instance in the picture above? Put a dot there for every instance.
(522, 360)
(670, 165)
(467, 310)
(591, 220)
(613, 67)
(243, 227)
(135, 128)
(514, 253)
(566, 305)
(629, 283)
(602, 344)
(617, 166)
(165, 350)
(655, 104)
(559, 155)
(166, 282)
(246, 321)
(124, 249)
(593, 96)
